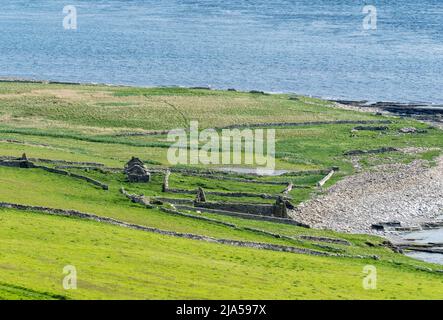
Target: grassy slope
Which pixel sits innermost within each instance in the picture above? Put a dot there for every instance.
(27, 187)
(104, 110)
(114, 262)
(80, 123)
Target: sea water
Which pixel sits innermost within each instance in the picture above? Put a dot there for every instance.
(315, 47)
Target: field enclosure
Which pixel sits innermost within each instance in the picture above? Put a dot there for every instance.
(92, 131)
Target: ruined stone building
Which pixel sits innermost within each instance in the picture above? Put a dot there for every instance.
(136, 171)
(21, 162)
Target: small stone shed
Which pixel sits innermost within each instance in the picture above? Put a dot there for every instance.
(136, 171)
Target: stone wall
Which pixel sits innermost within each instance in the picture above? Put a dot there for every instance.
(176, 200)
(325, 179)
(16, 164)
(175, 212)
(95, 164)
(227, 194)
(141, 199)
(373, 151)
(257, 209)
(325, 239)
(244, 215)
(225, 177)
(310, 172)
(28, 164)
(88, 216)
(74, 175)
(311, 123)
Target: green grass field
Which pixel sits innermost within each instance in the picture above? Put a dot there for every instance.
(117, 263)
(90, 124)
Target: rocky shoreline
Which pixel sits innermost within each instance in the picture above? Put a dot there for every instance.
(408, 194)
(429, 113)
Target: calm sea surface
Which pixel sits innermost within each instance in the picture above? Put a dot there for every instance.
(435, 236)
(316, 47)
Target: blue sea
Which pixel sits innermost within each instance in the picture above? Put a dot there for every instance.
(426, 236)
(313, 47)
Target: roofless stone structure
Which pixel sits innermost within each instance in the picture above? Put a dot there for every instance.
(136, 171)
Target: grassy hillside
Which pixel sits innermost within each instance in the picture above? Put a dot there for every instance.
(104, 110)
(108, 125)
(114, 262)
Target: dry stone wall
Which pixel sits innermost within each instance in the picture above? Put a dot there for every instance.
(141, 199)
(79, 163)
(244, 215)
(262, 209)
(227, 194)
(88, 216)
(311, 123)
(28, 164)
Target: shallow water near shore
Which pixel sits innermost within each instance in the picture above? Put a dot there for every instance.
(309, 47)
(426, 236)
